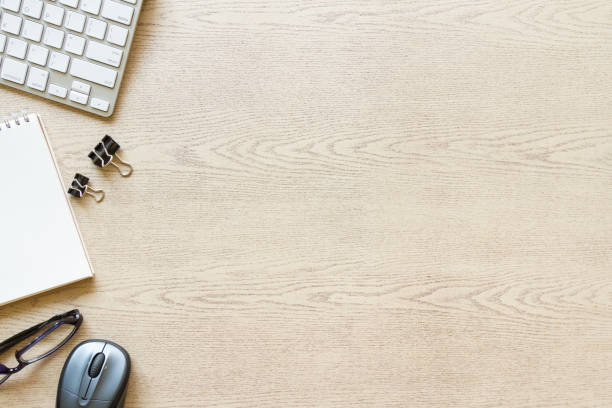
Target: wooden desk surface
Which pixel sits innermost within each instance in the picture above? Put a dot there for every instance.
(349, 203)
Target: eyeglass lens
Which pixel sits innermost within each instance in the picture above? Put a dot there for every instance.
(35, 346)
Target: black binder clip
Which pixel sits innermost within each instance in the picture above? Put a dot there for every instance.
(105, 153)
(80, 187)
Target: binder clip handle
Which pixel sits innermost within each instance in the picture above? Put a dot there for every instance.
(97, 195)
(125, 168)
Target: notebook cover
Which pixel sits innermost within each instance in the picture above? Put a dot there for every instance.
(42, 246)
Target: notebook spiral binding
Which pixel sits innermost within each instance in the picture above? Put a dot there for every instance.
(14, 119)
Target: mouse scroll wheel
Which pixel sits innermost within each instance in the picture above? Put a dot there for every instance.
(96, 365)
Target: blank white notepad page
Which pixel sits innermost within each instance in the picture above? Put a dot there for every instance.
(40, 244)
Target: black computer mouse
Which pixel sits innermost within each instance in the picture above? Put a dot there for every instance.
(95, 375)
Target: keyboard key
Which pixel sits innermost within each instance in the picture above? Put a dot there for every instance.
(91, 6)
(57, 90)
(53, 14)
(32, 8)
(99, 104)
(32, 31)
(70, 3)
(12, 5)
(96, 28)
(103, 53)
(81, 87)
(14, 71)
(53, 37)
(117, 35)
(10, 23)
(75, 44)
(117, 12)
(37, 79)
(59, 62)
(47, 44)
(16, 48)
(78, 97)
(38, 55)
(93, 72)
(75, 21)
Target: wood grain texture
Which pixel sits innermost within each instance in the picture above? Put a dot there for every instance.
(349, 203)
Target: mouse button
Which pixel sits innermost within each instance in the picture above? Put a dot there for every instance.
(114, 374)
(76, 366)
(93, 385)
(85, 382)
(95, 404)
(67, 399)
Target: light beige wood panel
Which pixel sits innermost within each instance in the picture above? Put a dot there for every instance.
(349, 203)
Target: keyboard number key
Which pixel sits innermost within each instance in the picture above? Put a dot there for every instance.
(99, 104)
(32, 8)
(53, 14)
(57, 90)
(10, 23)
(117, 35)
(96, 28)
(59, 62)
(53, 37)
(78, 97)
(37, 79)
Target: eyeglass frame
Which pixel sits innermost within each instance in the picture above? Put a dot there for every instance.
(73, 317)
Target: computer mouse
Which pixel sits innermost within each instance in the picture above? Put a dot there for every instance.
(95, 375)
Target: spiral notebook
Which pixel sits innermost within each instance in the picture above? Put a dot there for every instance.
(41, 247)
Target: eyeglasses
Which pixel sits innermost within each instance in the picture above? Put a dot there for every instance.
(40, 341)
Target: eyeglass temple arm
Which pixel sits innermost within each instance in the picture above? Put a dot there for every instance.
(10, 342)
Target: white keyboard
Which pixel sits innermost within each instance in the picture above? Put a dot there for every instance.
(70, 51)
